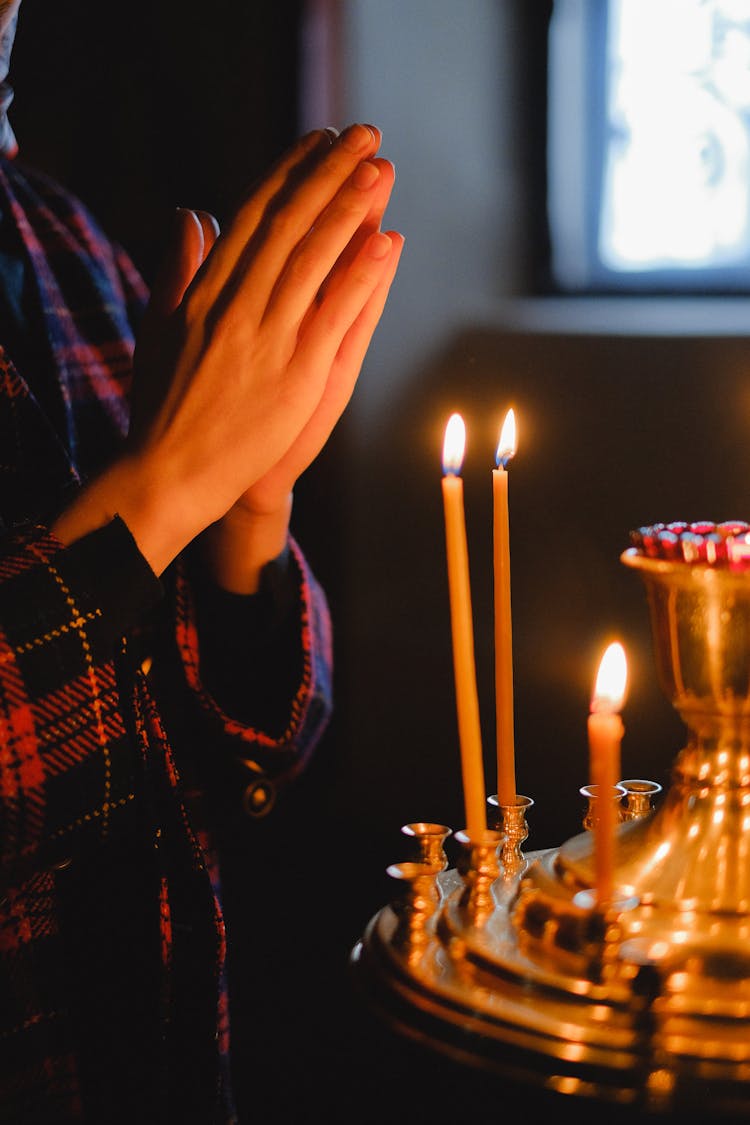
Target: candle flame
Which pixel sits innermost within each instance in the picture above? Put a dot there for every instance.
(454, 444)
(611, 680)
(507, 445)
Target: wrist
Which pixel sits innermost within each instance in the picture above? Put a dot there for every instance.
(237, 547)
(159, 515)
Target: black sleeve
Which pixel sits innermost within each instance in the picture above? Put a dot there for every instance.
(251, 655)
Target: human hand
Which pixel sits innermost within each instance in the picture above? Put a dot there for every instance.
(270, 492)
(255, 526)
(245, 358)
(193, 235)
(255, 529)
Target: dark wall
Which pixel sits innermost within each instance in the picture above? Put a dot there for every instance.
(142, 108)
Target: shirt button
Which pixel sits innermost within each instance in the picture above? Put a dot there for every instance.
(259, 797)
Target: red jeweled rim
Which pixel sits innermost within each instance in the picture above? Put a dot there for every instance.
(700, 542)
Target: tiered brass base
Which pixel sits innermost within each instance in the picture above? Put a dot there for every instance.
(508, 963)
(642, 1005)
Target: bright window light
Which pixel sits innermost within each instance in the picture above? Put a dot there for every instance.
(649, 144)
(676, 184)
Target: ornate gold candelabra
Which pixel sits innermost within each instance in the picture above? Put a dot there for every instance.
(507, 961)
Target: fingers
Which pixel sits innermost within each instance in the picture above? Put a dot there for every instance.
(192, 236)
(333, 244)
(335, 395)
(370, 223)
(343, 375)
(278, 216)
(354, 346)
(361, 294)
(381, 197)
(182, 257)
(302, 155)
(210, 228)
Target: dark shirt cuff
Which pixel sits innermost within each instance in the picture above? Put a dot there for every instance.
(108, 571)
(250, 648)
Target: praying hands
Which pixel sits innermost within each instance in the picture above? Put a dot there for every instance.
(251, 349)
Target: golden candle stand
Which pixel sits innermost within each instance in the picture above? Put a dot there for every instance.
(507, 961)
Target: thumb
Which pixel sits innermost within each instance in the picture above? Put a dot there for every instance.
(183, 256)
(192, 235)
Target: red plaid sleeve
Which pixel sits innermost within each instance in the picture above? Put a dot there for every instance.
(66, 760)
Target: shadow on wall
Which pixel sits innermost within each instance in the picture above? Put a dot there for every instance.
(613, 433)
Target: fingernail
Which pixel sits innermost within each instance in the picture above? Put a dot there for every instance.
(365, 176)
(377, 133)
(331, 133)
(380, 245)
(356, 137)
(181, 216)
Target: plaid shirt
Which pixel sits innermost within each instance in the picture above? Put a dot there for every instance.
(112, 1004)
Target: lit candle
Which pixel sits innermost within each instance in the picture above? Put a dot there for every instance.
(506, 768)
(467, 701)
(605, 730)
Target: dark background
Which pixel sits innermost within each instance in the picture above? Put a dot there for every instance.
(141, 109)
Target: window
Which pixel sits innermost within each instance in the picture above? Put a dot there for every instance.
(649, 145)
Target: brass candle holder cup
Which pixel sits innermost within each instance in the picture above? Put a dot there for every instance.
(592, 796)
(479, 866)
(510, 821)
(639, 797)
(645, 1001)
(430, 841)
(414, 907)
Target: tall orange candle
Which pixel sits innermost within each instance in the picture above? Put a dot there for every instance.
(605, 731)
(467, 700)
(504, 733)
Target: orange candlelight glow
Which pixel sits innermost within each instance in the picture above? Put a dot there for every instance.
(506, 769)
(467, 701)
(605, 731)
